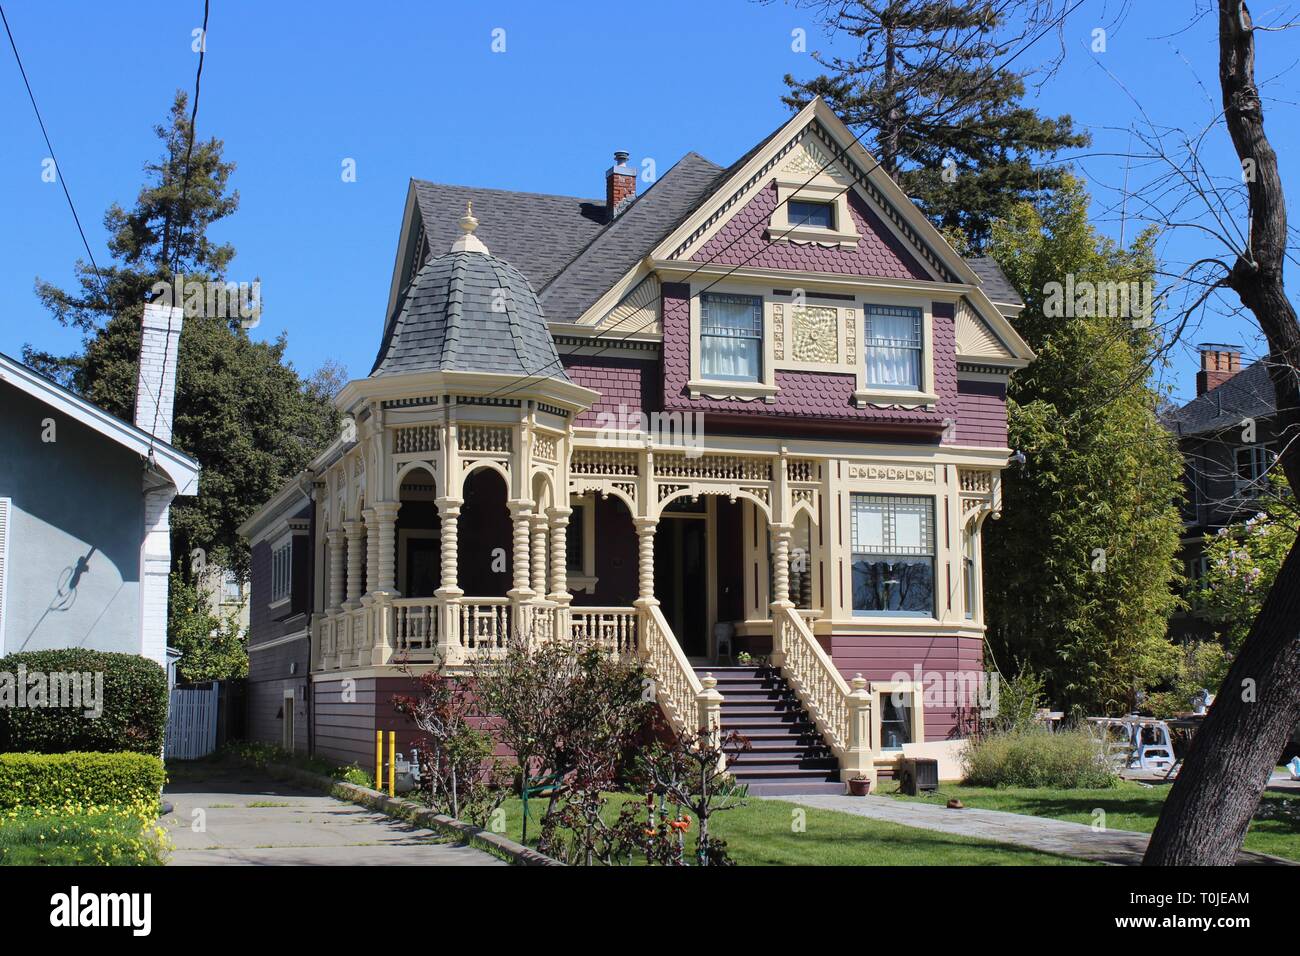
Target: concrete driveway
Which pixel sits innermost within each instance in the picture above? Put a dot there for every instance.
(228, 816)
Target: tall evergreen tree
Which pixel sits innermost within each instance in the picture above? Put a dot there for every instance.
(929, 87)
(1079, 570)
(243, 412)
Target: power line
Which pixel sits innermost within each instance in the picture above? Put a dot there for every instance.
(176, 257)
(58, 169)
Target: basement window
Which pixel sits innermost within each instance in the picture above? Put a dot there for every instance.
(895, 719)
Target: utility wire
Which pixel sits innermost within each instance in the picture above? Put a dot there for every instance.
(58, 169)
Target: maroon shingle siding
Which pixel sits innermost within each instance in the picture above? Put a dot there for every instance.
(743, 241)
(982, 416)
(630, 383)
(881, 658)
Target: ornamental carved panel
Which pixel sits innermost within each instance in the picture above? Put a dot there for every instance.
(815, 334)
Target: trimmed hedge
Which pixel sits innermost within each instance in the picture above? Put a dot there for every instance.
(134, 702)
(84, 779)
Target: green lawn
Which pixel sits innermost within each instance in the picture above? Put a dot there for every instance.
(1275, 830)
(763, 833)
(77, 836)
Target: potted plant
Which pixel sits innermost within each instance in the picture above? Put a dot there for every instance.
(860, 786)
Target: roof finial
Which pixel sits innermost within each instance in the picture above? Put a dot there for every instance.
(467, 241)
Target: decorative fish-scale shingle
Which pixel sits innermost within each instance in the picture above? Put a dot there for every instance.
(469, 312)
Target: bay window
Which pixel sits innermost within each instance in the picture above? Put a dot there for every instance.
(731, 337)
(893, 345)
(893, 554)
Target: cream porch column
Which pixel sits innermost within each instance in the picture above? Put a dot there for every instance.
(449, 593)
(540, 527)
(645, 532)
(335, 539)
(521, 518)
(372, 550)
(780, 586)
(380, 532)
(781, 568)
(356, 532)
(560, 555)
(386, 512)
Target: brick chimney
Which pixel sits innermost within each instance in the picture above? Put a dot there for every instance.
(620, 185)
(155, 386)
(1218, 364)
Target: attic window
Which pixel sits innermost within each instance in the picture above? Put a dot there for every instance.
(813, 212)
(817, 214)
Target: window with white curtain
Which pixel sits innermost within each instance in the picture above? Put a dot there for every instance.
(731, 337)
(893, 347)
(893, 554)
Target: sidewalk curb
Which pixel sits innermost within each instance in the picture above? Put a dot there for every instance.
(412, 812)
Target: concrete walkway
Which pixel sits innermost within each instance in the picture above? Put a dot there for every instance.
(1121, 847)
(249, 819)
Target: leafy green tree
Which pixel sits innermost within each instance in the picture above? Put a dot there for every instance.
(212, 647)
(1079, 568)
(931, 94)
(1243, 562)
(244, 413)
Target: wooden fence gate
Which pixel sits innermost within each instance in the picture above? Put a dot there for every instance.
(192, 722)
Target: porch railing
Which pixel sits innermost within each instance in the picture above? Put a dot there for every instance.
(613, 629)
(677, 689)
(415, 628)
(483, 625)
(840, 710)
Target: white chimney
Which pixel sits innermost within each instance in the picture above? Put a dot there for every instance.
(155, 387)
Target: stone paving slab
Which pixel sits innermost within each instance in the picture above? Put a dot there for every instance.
(1121, 847)
(293, 827)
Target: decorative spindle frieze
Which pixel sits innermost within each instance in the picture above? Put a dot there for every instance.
(601, 462)
(715, 467)
(486, 438)
(415, 439)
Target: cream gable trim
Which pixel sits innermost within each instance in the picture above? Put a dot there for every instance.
(638, 312)
(975, 339)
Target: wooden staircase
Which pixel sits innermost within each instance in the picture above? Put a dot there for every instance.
(787, 754)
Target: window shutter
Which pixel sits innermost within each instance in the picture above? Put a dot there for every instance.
(5, 507)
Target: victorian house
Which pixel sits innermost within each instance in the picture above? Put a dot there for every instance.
(1229, 440)
(753, 414)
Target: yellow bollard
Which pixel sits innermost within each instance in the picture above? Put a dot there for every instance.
(392, 763)
(379, 759)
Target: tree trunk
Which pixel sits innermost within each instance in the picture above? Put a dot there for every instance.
(1210, 805)
(1204, 820)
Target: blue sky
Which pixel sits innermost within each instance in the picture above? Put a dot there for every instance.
(414, 89)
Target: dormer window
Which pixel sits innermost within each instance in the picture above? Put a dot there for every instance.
(894, 344)
(731, 337)
(820, 215)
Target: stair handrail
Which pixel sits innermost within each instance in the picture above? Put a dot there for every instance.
(691, 705)
(840, 709)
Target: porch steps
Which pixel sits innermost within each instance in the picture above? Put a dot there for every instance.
(786, 755)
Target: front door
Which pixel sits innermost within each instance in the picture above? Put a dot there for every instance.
(681, 579)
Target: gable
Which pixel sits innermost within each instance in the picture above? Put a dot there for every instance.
(975, 339)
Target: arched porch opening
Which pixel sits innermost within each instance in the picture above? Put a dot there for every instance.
(485, 556)
(419, 536)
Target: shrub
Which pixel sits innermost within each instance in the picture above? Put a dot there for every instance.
(88, 779)
(134, 702)
(1068, 759)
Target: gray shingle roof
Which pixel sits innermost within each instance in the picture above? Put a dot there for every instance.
(1248, 394)
(996, 285)
(536, 233)
(448, 322)
(629, 238)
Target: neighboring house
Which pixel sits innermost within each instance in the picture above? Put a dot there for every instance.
(227, 595)
(1228, 438)
(85, 547)
(823, 385)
